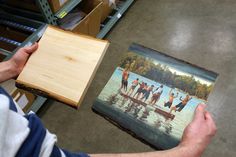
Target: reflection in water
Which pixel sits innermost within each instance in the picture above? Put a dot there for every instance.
(112, 99)
(145, 115)
(158, 123)
(139, 112)
(130, 107)
(124, 100)
(167, 126)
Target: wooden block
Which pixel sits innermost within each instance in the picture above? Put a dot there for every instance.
(63, 66)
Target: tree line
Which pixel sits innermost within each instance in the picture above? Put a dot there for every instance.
(161, 73)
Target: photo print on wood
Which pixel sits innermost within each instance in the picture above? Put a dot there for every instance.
(154, 96)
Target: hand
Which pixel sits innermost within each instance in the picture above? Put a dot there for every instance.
(199, 132)
(20, 58)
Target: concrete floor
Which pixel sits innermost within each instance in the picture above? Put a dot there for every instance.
(202, 32)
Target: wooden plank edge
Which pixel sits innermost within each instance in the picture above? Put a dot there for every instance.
(77, 35)
(93, 75)
(44, 93)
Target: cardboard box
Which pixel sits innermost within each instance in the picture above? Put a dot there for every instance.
(90, 24)
(23, 98)
(56, 4)
(24, 4)
(106, 10)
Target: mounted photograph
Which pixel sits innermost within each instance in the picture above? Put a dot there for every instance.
(154, 96)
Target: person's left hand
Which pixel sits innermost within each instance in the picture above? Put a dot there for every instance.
(20, 58)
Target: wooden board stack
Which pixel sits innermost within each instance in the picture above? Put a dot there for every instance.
(63, 66)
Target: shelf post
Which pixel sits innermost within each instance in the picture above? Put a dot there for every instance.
(46, 11)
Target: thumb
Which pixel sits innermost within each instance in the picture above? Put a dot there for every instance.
(200, 112)
(211, 123)
(30, 49)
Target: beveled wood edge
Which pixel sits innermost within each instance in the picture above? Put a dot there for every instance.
(43, 92)
(92, 76)
(81, 35)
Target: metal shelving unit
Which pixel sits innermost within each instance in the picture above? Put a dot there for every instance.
(46, 11)
(112, 20)
(23, 13)
(67, 8)
(36, 29)
(38, 103)
(4, 52)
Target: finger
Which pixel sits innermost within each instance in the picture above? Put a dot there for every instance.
(210, 122)
(31, 49)
(200, 112)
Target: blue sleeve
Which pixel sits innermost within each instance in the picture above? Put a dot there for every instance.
(12, 104)
(57, 153)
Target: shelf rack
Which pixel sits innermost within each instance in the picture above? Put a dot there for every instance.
(46, 11)
(18, 22)
(112, 20)
(67, 8)
(22, 12)
(51, 18)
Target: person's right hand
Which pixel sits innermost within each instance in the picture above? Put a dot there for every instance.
(199, 132)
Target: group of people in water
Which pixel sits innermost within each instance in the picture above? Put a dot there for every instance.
(144, 91)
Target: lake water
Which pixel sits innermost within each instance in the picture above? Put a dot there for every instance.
(173, 128)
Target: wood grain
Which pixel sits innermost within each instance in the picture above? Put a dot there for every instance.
(63, 66)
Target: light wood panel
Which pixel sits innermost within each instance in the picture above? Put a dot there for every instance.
(63, 66)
